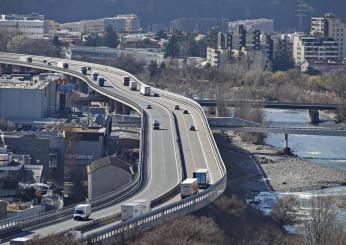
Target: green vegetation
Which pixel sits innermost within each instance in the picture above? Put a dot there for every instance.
(111, 38)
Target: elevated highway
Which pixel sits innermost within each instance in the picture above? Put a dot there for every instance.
(167, 156)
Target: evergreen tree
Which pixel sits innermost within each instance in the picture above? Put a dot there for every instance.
(162, 34)
(172, 48)
(282, 59)
(152, 68)
(110, 38)
(194, 49)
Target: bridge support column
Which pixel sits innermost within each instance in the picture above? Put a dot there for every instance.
(314, 116)
(118, 108)
(111, 106)
(126, 110)
(287, 150)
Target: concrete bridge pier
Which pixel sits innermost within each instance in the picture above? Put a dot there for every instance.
(126, 110)
(118, 107)
(111, 106)
(314, 116)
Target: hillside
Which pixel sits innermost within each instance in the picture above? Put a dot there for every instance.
(162, 11)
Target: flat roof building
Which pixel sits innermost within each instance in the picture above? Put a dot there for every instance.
(32, 26)
(264, 25)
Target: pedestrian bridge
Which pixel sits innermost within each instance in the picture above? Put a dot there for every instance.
(240, 125)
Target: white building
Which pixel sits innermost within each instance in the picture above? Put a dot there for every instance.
(333, 27)
(310, 48)
(264, 25)
(336, 29)
(15, 96)
(218, 56)
(132, 22)
(119, 23)
(31, 26)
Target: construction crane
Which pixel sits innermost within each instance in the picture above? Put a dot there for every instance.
(303, 9)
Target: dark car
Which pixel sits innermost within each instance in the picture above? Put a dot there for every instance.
(176, 107)
(44, 61)
(149, 107)
(156, 95)
(156, 124)
(192, 128)
(186, 112)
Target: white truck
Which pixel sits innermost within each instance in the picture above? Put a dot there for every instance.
(62, 64)
(188, 187)
(82, 212)
(20, 241)
(134, 209)
(202, 175)
(145, 90)
(25, 59)
(133, 85)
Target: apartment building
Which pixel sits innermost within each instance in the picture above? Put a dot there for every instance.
(32, 26)
(312, 48)
(218, 56)
(331, 26)
(119, 23)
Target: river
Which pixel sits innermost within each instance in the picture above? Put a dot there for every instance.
(324, 150)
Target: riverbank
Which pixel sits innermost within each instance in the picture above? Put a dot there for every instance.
(283, 173)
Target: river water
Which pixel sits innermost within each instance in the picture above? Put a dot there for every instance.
(324, 150)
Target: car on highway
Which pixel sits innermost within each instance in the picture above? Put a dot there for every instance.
(149, 107)
(156, 95)
(193, 128)
(176, 107)
(156, 124)
(186, 112)
(44, 61)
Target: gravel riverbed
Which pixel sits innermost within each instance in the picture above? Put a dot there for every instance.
(289, 173)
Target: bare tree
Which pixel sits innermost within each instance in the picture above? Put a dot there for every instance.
(323, 228)
(285, 210)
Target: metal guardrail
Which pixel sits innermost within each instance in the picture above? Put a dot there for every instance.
(174, 210)
(158, 216)
(179, 208)
(102, 201)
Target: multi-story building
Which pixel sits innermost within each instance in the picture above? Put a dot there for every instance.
(264, 25)
(197, 25)
(238, 37)
(333, 27)
(310, 48)
(32, 26)
(119, 23)
(253, 40)
(15, 94)
(218, 56)
(336, 29)
(267, 45)
(318, 26)
(132, 22)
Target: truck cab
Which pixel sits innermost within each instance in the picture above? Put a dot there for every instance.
(82, 212)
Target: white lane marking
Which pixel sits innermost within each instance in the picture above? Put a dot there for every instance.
(203, 149)
(189, 142)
